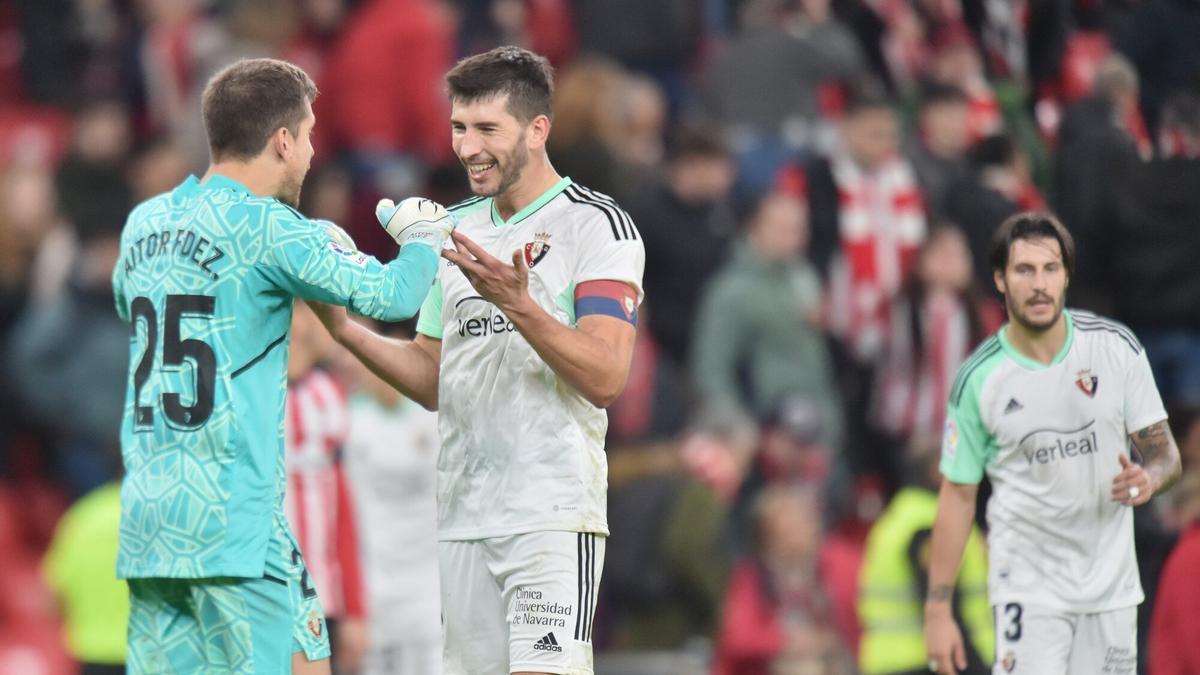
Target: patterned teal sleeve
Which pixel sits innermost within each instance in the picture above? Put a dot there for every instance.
(967, 446)
(302, 258)
(429, 321)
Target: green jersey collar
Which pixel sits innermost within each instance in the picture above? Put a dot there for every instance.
(532, 206)
(1029, 363)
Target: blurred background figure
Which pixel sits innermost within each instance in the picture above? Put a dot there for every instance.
(938, 149)
(779, 617)
(79, 568)
(319, 504)
(1174, 641)
(689, 223)
(935, 324)
(895, 577)
(758, 335)
(391, 461)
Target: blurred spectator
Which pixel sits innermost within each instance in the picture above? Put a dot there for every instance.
(386, 106)
(687, 223)
(1094, 141)
(391, 460)
(938, 149)
(70, 352)
(868, 221)
(1149, 221)
(1159, 38)
(180, 47)
(996, 186)
(667, 565)
(587, 123)
(936, 322)
(79, 568)
(643, 118)
(895, 578)
(957, 63)
(321, 20)
(758, 334)
(659, 39)
(318, 502)
(543, 26)
(766, 86)
(778, 618)
(1174, 640)
(156, 167)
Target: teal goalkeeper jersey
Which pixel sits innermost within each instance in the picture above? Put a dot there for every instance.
(206, 278)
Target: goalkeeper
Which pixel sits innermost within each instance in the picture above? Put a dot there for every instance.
(206, 277)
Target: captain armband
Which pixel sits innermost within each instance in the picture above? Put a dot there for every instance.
(608, 298)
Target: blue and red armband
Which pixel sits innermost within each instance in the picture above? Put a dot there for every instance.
(608, 298)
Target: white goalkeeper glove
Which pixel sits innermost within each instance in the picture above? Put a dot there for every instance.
(415, 221)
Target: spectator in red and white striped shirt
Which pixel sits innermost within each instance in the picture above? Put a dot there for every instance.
(318, 503)
(936, 323)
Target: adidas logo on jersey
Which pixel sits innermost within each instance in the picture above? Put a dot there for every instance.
(547, 644)
(1013, 406)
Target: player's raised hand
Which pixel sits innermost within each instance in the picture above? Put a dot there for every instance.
(944, 643)
(415, 220)
(1134, 485)
(504, 285)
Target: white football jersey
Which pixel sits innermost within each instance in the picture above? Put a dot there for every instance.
(523, 450)
(1049, 437)
(390, 458)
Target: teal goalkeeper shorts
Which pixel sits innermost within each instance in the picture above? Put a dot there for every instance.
(228, 624)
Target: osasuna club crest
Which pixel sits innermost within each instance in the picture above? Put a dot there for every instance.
(537, 249)
(1087, 382)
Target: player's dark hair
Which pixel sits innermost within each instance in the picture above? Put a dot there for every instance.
(526, 77)
(1031, 225)
(248, 101)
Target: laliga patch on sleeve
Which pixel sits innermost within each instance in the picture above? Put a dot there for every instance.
(950, 439)
(357, 257)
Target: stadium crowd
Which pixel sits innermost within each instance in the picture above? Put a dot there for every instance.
(816, 183)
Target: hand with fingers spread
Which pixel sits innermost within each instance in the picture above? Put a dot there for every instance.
(415, 220)
(505, 286)
(1133, 486)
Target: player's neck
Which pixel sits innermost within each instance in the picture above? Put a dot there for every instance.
(1041, 346)
(257, 178)
(539, 176)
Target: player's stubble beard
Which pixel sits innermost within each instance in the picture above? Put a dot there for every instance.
(510, 169)
(1018, 316)
(289, 191)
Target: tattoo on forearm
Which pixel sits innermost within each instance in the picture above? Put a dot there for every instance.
(941, 593)
(1160, 455)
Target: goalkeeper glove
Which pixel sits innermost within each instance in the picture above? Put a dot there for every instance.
(415, 220)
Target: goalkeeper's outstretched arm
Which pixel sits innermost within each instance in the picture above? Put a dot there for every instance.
(411, 366)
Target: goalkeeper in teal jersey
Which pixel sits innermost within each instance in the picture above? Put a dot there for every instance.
(207, 277)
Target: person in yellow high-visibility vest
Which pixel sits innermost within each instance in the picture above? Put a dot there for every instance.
(894, 580)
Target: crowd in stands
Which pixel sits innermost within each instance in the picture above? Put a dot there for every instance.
(816, 183)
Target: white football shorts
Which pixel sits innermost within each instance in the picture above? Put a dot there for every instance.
(519, 603)
(1037, 641)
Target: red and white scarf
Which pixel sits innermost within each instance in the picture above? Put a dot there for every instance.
(881, 223)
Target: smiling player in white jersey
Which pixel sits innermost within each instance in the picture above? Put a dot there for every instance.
(1047, 408)
(524, 340)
